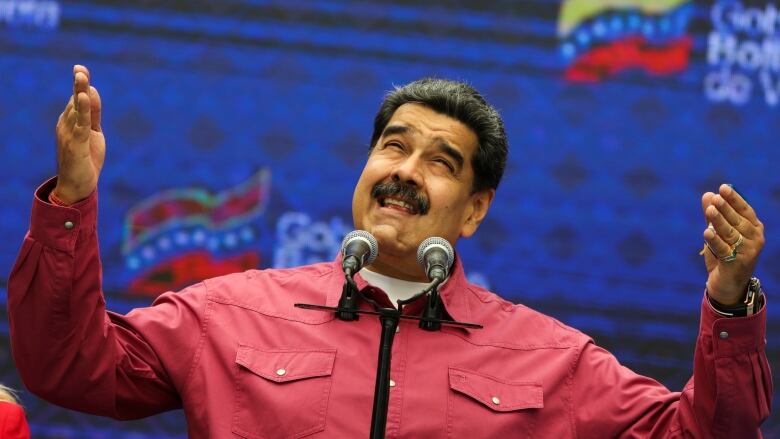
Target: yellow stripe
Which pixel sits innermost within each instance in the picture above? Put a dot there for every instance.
(574, 12)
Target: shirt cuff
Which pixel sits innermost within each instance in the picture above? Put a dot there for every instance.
(733, 335)
(59, 226)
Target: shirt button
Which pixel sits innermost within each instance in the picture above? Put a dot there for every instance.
(496, 401)
(392, 383)
(281, 372)
(724, 335)
(68, 225)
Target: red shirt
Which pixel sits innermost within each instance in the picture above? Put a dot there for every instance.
(236, 355)
(13, 424)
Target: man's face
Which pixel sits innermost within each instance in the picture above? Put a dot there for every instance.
(417, 184)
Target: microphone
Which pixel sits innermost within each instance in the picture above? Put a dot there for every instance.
(436, 256)
(359, 248)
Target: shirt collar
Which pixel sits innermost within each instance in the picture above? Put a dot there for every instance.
(453, 293)
(395, 288)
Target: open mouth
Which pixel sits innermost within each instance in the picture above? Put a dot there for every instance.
(397, 203)
(400, 197)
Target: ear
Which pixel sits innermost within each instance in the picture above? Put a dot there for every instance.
(480, 203)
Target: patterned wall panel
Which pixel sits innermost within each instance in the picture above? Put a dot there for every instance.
(237, 129)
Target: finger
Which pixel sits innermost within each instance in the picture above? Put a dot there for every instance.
(716, 242)
(80, 85)
(70, 116)
(706, 201)
(81, 68)
(95, 107)
(721, 227)
(738, 203)
(736, 220)
(83, 117)
(719, 247)
(67, 110)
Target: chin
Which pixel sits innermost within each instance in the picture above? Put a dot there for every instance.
(389, 239)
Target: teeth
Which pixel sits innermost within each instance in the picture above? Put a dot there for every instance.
(399, 203)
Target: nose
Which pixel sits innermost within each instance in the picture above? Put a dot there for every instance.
(408, 171)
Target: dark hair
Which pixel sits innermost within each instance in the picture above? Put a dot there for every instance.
(460, 101)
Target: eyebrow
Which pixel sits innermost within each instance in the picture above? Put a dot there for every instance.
(397, 129)
(443, 145)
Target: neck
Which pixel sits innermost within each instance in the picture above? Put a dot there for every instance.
(399, 269)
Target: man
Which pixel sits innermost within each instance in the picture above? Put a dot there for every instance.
(240, 360)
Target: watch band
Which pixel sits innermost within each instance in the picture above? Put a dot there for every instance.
(754, 301)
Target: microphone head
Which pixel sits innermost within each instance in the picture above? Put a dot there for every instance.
(435, 243)
(365, 237)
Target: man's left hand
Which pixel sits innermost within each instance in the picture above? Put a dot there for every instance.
(735, 237)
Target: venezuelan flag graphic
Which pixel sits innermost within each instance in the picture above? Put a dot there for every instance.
(601, 38)
(181, 236)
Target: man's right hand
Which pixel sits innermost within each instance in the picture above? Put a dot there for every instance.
(81, 146)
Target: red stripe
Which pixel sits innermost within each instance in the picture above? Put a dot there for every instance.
(189, 269)
(605, 61)
(187, 206)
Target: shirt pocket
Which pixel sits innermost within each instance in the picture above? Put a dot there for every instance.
(281, 393)
(481, 406)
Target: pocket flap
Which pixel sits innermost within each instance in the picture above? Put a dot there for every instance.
(286, 364)
(495, 393)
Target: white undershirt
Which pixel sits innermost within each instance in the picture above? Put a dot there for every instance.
(396, 289)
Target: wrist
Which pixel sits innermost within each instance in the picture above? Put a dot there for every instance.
(751, 302)
(63, 197)
(728, 295)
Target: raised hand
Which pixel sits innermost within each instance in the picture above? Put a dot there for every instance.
(735, 238)
(81, 146)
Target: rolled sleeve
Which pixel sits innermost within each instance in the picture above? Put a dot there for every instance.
(733, 336)
(59, 227)
(732, 378)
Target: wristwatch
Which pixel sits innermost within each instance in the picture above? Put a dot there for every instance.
(754, 301)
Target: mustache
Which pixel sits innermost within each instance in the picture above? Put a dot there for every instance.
(404, 191)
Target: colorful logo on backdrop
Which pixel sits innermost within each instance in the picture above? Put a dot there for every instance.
(743, 53)
(602, 38)
(181, 236)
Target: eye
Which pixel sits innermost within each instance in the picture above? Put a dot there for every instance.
(445, 163)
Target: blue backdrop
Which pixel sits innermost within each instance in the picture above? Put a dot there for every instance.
(237, 129)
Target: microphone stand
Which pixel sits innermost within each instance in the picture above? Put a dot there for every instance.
(347, 310)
